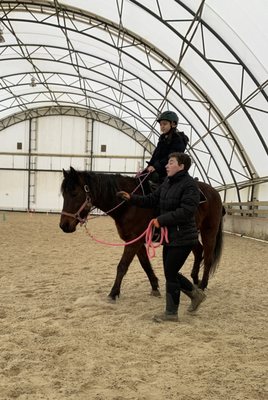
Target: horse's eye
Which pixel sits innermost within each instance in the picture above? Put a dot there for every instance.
(73, 193)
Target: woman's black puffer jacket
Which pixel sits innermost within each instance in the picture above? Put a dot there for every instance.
(178, 199)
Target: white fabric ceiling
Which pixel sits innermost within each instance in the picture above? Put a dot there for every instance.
(126, 59)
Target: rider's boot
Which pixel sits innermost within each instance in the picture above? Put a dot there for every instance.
(172, 304)
(197, 297)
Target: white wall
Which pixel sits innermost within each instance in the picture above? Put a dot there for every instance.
(61, 142)
(57, 142)
(13, 189)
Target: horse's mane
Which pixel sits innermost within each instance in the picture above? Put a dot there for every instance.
(106, 184)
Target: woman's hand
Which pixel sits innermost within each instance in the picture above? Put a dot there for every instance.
(123, 195)
(150, 168)
(156, 223)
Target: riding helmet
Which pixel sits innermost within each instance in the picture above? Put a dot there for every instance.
(168, 116)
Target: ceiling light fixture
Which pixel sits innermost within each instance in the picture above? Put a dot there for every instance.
(33, 81)
(2, 39)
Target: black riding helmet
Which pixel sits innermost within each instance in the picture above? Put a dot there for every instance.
(168, 116)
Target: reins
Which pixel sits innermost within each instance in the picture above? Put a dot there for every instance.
(133, 191)
(87, 202)
(148, 234)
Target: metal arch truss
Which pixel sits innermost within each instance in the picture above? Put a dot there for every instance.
(96, 115)
(60, 90)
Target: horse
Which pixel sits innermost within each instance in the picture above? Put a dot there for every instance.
(82, 190)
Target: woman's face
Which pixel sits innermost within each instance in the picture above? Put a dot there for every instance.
(165, 126)
(173, 166)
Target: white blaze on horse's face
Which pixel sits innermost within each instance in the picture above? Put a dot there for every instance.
(173, 166)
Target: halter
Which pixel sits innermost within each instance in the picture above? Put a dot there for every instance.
(86, 203)
(141, 177)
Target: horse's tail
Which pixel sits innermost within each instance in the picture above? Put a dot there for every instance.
(217, 249)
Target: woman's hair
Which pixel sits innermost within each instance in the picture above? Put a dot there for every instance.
(182, 158)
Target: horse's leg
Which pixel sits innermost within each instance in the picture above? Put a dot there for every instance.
(126, 259)
(209, 242)
(147, 267)
(198, 257)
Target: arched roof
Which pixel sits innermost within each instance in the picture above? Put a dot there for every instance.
(128, 60)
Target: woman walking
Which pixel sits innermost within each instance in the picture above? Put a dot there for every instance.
(177, 198)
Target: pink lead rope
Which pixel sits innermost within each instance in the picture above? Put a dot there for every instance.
(148, 233)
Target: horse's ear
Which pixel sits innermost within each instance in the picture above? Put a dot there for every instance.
(73, 172)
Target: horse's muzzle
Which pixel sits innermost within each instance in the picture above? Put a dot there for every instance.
(67, 227)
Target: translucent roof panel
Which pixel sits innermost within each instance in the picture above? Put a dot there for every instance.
(132, 59)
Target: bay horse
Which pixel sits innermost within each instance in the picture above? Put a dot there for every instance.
(82, 190)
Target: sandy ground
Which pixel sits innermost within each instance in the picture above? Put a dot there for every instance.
(60, 338)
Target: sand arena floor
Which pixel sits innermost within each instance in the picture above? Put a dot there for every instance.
(61, 340)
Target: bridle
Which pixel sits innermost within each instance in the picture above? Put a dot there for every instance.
(87, 203)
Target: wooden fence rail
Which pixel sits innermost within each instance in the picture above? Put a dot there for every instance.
(248, 209)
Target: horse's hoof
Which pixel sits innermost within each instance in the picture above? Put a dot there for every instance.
(111, 299)
(201, 285)
(155, 293)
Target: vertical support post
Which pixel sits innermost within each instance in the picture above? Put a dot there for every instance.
(255, 207)
(89, 144)
(143, 158)
(91, 148)
(32, 162)
(29, 164)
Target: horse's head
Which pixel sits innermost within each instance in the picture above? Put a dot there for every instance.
(76, 200)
